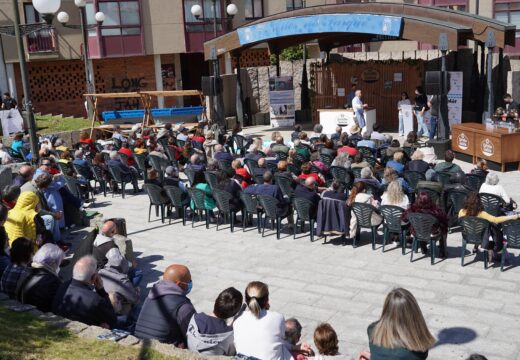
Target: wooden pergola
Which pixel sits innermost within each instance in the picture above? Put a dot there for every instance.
(146, 100)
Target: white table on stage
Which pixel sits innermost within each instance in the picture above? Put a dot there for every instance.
(331, 118)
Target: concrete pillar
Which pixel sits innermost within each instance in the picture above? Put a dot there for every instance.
(178, 78)
(3, 69)
(158, 78)
(227, 64)
(11, 80)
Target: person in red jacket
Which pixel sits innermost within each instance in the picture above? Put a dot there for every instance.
(306, 172)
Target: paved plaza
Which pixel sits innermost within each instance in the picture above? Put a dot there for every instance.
(468, 309)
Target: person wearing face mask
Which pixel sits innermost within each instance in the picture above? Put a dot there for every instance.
(83, 298)
(212, 334)
(43, 281)
(167, 310)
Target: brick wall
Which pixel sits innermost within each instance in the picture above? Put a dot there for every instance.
(57, 86)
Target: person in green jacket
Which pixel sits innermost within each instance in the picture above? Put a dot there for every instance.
(199, 183)
(401, 333)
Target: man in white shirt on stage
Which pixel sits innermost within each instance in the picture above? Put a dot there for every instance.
(359, 110)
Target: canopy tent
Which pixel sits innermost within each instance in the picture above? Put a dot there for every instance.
(345, 24)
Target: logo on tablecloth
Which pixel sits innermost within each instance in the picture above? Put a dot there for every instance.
(342, 120)
(462, 141)
(487, 147)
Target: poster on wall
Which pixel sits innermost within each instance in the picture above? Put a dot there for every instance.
(455, 97)
(281, 101)
(12, 121)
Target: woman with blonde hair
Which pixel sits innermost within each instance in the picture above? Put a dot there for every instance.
(401, 332)
(394, 195)
(260, 332)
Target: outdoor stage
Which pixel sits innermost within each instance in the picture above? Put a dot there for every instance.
(480, 142)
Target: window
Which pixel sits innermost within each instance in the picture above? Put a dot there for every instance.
(38, 41)
(205, 22)
(460, 5)
(508, 12)
(254, 9)
(121, 17)
(294, 4)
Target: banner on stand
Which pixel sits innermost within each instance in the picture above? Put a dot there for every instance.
(12, 121)
(281, 101)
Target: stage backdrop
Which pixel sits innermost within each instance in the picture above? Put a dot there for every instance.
(381, 83)
(281, 101)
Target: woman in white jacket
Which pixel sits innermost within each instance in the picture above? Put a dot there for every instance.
(260, 332)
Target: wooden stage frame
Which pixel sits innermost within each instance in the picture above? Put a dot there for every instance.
(146, 99)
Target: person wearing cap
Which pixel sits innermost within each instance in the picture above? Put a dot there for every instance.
(182, 133)
(354, 133)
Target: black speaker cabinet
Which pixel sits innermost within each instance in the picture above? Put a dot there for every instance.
(433, 83)
(209, 87)
(440, 147)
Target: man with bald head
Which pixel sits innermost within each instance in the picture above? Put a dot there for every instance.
(308, 191)
(25, 174)
(167, 311)
(105, 248)
(83, 298)
(221, 154)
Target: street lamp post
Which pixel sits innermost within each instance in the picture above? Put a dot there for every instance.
(218, 103)
(45, 8)
(64, 18)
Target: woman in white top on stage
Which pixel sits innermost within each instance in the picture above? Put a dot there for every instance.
(405, 100)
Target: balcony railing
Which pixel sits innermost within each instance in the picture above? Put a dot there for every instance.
(43, 41)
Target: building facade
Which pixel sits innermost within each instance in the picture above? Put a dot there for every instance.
(149, 45)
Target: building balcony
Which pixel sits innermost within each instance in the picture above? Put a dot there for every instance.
(42, 43)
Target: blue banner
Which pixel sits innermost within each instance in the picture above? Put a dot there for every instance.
(324, 23)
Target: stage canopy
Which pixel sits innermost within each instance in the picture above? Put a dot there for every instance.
(345, 24)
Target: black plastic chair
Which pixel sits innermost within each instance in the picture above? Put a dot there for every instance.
(73, 186)
(299, 159)
(327, 159)
(190, 174)
(302, 207)
(270, 205)
(413, 178)
(473, 232)
(197, 196)
(475, 181)
(86, 173)
(280, 155)
(371, 160)
(211, 179)
(115, 173)
(16, 156)
(65, 168)
(117, 144)
(392, 224)
(493, 204)
(251, 165)
(366, 151)
(250, 208)
(140, 160)
(339, 173)
(180, 143)
(156, 199)
(222, 199)
(258, 179)
(457, 199)
(444, 177)
(285, 185)
(239, 144)
(408, 151)
(98, 179)
(434, 195)
(159, 164)
(294, 169)
(363, 213)
(224, 165)
(179, 200)
(511, 230)
(423, 227)
(356, 172)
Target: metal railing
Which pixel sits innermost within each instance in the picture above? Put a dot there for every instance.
(43, 41)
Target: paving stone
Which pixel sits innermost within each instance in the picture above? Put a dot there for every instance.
(344, 286)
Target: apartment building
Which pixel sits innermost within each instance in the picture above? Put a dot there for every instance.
(157, 44)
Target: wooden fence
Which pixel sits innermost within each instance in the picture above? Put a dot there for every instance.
(381, 83)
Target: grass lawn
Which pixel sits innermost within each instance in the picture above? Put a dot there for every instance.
(24, 337)
(51, 124)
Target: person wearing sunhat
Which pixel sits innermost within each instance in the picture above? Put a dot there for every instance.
(355, 133)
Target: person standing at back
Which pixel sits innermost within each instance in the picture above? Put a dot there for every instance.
(260, 332)
(404, 100)
(421, 106)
